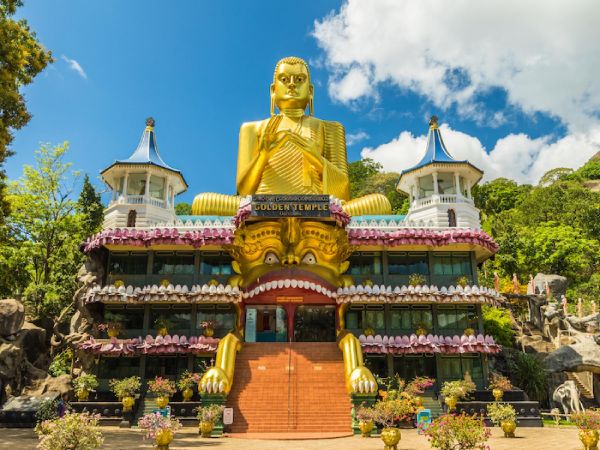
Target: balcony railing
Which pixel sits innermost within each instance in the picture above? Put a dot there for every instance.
(441, 199)
(139, 200)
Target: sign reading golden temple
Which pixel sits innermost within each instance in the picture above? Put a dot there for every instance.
(290, 206)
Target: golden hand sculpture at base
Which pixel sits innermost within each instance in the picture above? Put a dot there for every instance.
(219, 378)
(359, 379)
(291, 153)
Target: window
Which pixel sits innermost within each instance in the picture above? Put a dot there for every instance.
(131, 217)
(173, 263)
(157, 187)
(454, 263)
(402, 263)
(354, 318)
(455, 367)
(130, 316)
(451, 218)
(456, 318)
(109, 368)
(178, 316)
(375, 317)
(128, 263)
(223, 315)
(365, 263)
(136, 184)
(377, 364)
(409, 318)
(215, 263)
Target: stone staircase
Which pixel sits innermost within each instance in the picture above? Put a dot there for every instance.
(583, 389)
(282, 387)
(432, 403)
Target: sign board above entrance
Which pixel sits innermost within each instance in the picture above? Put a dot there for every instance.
(290, 206)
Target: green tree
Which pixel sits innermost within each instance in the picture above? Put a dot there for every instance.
(359, 172)
(47, 229)
(90, 205)
(498, 322)
(183, 209)
(22, 57)
(499, 195)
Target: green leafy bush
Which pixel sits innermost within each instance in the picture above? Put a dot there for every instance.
(501, 412)
(47, 410)
(74, 431)
(498, 323)
(452, 432)
(528, 373)
(61, 363)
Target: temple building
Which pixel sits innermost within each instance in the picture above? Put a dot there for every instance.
(297, 303)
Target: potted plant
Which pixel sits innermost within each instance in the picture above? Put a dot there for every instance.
(125, 390)
(160, 428)
(499, 385)
(186, 384)
(369, 331)
(453, 391)
(163, 388)
(463, 281)
(73, 431)
(416, 279)
(208, 416)
(162, 325)
(504, 416)
(388, 413)
(421, 330)
(450, 432)
(416, 387)
(588, 423)
(83, 384)
(113, 325)
(365, 416)
(469, 331)
(209, 327)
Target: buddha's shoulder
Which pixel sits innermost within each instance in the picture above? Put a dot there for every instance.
(254, 126)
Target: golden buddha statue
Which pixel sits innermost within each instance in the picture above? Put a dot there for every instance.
(291, 153)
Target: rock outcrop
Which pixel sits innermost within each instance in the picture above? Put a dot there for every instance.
(582, 356)
(12, 317)
(557, 284)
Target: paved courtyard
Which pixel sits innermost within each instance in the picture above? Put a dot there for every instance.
(116, 439)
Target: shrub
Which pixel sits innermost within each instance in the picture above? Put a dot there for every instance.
(500, 382)
(86, 382)
(127, 387)
(61, 363)
(457, 432)
(154, 423)
(459, 388)
(47, 410)
(587, 420)
(390, 412)
(187, 380)
(162, 387)
(364, 414)
(210, 413)
(500, 412)
(528, 373)
(74, 431)
(498, 323)
(416, 279)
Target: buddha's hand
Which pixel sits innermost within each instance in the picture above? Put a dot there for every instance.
(214, 381)
(311, 149)
(270, 139)
(362, 381)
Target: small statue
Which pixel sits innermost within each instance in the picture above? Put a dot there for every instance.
(564, 303)
(291, 152)
(515, 282)
(594, 307)
(531, 289)
(467, 377)
(496, 282)
(548, 291)
(579, 307)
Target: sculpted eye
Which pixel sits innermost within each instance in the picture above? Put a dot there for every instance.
(283, 79)
(309, 258)
(271, 258)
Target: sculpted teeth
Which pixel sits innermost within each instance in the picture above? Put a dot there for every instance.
(287, 283)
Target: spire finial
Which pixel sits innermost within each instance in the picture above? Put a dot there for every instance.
(150, 122)
(433, 122)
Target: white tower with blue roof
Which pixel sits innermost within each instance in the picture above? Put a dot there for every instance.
(143, 187)
(439, 187)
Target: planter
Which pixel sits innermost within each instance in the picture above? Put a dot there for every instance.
(366, 428)
(82, 395)
(187, 393)
(163, 439)
(127, 403)
(163, 331)
(206, 428)
(451, 402)
(390, 437)
(162, 401)
(209, 332)
(419, 403)
(497, 393)
(589, 439)
(421, 331)
(113, 332)
(509, 427)
(369, 331)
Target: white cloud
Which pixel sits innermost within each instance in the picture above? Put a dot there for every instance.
(74, 65)
(543, 54)
(515, 156)
(355, 138)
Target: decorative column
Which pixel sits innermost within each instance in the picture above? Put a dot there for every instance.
(147, 188)
(125, 186)
(435, 183)
(469, 191)
(457, 184)
(167, 197)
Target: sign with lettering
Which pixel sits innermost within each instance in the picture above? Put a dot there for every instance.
(227, 416)
(290, 206)
(423, 419)
(250, 325)
(290, 299)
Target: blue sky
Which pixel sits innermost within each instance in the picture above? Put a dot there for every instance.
(381, 68)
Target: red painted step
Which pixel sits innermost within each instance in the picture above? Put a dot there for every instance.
(278, 388)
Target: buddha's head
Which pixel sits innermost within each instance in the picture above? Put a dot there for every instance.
(291, 248)
(291, 88)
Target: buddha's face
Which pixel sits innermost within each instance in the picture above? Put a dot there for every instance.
(291, 249)
(291, 86)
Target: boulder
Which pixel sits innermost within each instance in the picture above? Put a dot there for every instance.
(582, 356)
(60, 384)
(557, 283)
(12, 316)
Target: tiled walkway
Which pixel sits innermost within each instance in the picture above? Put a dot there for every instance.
(527, 439)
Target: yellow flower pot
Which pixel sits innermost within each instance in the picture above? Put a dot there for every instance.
(187, 393)
(497, 393)
(113, 332)
(163, 331)
(162, 401)
(589, 439)
(451, 402)
(127, 403)
(82, 395)
(206, 428)
(509, 427)
(163, 439)
(209, 332)
(365, 428)
(390, 437)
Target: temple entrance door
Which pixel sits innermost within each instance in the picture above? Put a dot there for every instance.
(266, 323)
(314, 323)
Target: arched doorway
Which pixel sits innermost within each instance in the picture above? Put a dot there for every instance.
(451, 218)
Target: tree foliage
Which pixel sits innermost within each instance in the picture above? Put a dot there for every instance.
(498, 323)
(183, 209)
(22, 57)
(90, 205)
(44, 232)
(366, 177)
